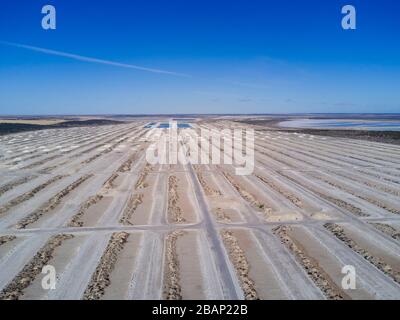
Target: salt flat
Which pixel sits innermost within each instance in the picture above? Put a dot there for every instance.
(86, 201)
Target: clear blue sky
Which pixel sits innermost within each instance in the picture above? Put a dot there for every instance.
(238, 57)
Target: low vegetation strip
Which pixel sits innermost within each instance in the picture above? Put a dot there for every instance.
(342, 187)
(339, 233)
(288, 195)
(387, 229)
(172, 286)
(141, 181)
(105, 151)
(15, 289)
(6, 239)
(251, 199)
(15, 183)
(310, 265)
(40, 162)
(51, 204)
(209, 191)
(101, 277)
(134, 201)
(76, 220)
(127, 165)
(109, 184)
(242, 267)
(175, 213)
(28, 195)
(375, 185)
(338, 202)
(222, 215)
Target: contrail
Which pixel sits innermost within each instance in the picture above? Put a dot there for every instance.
(89, 59)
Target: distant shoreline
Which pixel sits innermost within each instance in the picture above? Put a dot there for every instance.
(263, 122)
(391, 137)
(317, 115)
(10, 128)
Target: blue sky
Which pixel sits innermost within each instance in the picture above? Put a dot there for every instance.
(286, 56)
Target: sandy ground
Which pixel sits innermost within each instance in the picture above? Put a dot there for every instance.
(115, 227)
